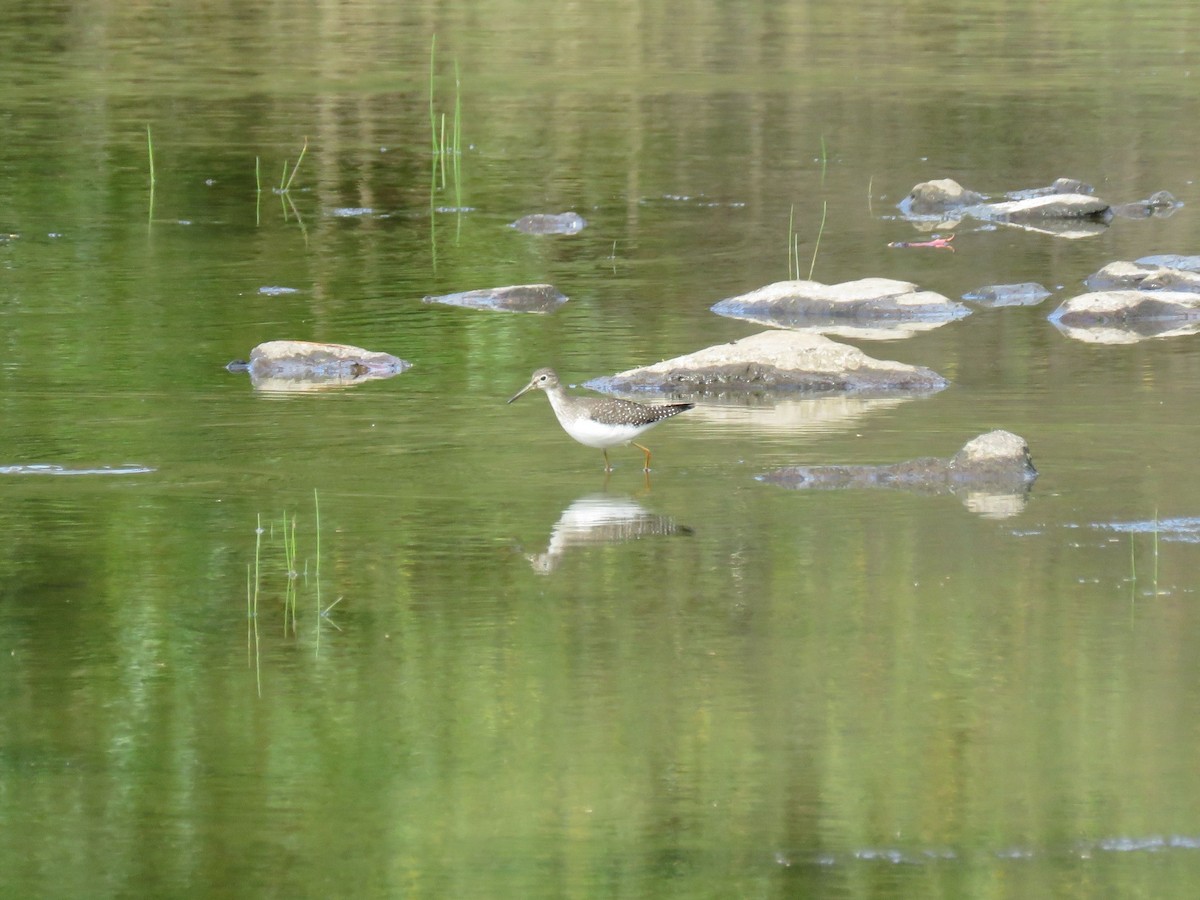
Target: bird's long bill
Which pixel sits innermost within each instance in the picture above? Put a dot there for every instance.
(529, 387)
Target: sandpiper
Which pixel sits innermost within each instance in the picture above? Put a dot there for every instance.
(600, 421)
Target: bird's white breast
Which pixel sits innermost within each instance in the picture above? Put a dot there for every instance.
(591, 433)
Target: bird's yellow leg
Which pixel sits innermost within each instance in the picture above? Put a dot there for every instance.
(645, 450)
(607, 467)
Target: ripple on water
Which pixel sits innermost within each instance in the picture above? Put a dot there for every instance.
(1085, 849)
(51, 469)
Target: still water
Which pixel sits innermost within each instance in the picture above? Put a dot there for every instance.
(496, 672)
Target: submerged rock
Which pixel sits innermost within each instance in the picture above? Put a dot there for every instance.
(773, 361)
(1027, 293)
(525, 298)
(308, 365)
(992, 473)
(1160, 204)
(900, 307)
(550, 223)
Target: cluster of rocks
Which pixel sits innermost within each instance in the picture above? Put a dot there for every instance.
(1068, 207)
(1153, 296)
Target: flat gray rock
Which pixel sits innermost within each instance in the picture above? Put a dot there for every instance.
(524, 298)
(550, 223)
(883, 303)
(992, 473)
(773, 361)
(1038, 209)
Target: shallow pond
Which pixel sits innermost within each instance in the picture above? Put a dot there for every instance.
(495, 671)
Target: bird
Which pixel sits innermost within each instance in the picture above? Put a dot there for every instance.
(600, 421)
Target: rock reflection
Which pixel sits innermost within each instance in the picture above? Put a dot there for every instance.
(830, 412)
(597, 519)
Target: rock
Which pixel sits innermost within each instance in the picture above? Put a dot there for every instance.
(773, 361)
(1104, 307)
(1125, 316)
(1119, 276)
(1143, 276)
(825, 308)
(1060, 186)
(1071, 186)
(1049, 210)
(307, 365)
(1027, 293)
(1170, 280)
(526, 298)
(1171, 261)
(1037, 209)
(998, 456)
(1160, 203)
(931, 198)
(992, 473)
(550, 223)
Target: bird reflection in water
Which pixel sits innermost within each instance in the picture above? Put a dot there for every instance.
(598, 519)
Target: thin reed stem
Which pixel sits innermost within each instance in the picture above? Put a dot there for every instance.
(820, 231)
(296, 168)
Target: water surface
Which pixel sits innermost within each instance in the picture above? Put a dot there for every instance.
(508, 675)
